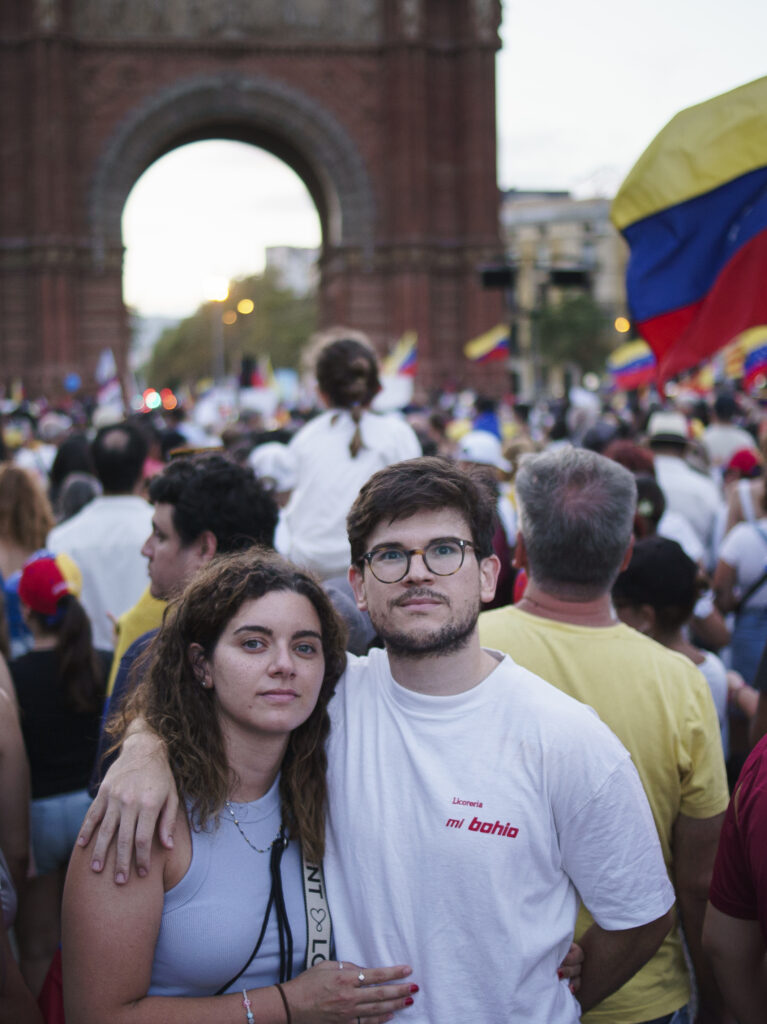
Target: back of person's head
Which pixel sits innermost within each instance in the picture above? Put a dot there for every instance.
(635, 457)
(347, 370)
(347, 375)
(668, 432)
(73, 456)
(485, 404)
(576, 515)
(182, 711)
(745, 464)
(429, 484)
(26, 516)
(49, 587)
(725, 407)
(119, 452)
(651, 504)
(75, 492)
(662, 576)
(211, 492)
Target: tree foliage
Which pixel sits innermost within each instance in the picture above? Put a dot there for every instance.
(575, 330)
(278, 327)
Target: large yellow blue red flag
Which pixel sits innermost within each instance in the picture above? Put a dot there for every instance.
(694, 213)
(490, 347)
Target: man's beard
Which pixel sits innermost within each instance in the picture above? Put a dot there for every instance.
(448, 639)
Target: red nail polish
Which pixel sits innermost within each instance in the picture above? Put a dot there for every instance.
(409, 1001)
(414, 988)
(560, 973)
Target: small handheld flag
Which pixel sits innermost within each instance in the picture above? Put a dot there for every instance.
(493, 346)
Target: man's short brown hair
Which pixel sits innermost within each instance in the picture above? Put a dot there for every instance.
(432, 483)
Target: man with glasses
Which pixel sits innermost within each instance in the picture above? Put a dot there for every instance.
(470, 803)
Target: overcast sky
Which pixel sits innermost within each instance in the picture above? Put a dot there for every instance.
(582, 89)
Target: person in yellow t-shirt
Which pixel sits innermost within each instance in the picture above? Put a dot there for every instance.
(576, 512)
(145, 615)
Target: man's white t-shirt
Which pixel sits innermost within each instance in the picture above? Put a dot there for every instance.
(462, 830)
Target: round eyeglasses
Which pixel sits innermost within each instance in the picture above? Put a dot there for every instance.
(390, 563)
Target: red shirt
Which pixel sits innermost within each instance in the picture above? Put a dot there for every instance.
(739, 883)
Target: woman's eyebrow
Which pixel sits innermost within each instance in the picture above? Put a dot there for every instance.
(270, 632)
(254, 629)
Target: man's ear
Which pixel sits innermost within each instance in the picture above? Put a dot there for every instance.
(489, 568)
(200, 666)
(628, 553)
(357, 582)
(207, 545)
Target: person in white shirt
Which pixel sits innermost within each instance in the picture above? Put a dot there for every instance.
(687, 491)
(106, 536)
(471, 805)
(723, 437)
(335, 453)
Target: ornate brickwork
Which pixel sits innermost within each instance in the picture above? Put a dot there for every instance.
(305, 22)
(385, 108)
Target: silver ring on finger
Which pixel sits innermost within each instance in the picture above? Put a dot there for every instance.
(340, 965)
(360, 977)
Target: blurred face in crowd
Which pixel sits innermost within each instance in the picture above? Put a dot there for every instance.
(171, 562)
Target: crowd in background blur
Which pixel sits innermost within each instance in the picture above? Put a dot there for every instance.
(74, 516)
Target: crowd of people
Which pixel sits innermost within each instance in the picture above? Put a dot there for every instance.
(449, 712)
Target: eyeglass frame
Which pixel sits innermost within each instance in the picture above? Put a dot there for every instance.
(463, 544)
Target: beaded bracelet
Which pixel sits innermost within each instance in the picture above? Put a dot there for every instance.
(284, 1003)
(246, 1004)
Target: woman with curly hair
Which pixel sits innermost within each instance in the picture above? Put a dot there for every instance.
(237, 686)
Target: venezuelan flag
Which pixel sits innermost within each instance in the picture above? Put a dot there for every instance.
(754, 347)
(632, 366)
(694, 213)
(491, 347)
(733, 359)
(403, 358)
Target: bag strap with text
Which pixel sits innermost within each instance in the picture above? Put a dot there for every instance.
(319, 927)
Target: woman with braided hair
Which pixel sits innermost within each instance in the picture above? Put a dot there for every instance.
(337, 452)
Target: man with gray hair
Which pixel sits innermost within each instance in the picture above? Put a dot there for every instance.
(576, 514)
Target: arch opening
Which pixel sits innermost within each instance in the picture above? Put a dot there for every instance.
(209, 210)
(271, 115)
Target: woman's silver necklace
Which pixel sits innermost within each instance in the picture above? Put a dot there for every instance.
(239, 829)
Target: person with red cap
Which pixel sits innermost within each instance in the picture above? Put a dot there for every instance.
(60, 690)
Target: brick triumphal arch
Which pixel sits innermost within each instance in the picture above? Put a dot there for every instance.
(385, 108)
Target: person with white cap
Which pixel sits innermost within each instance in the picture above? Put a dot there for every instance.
(687, 491)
